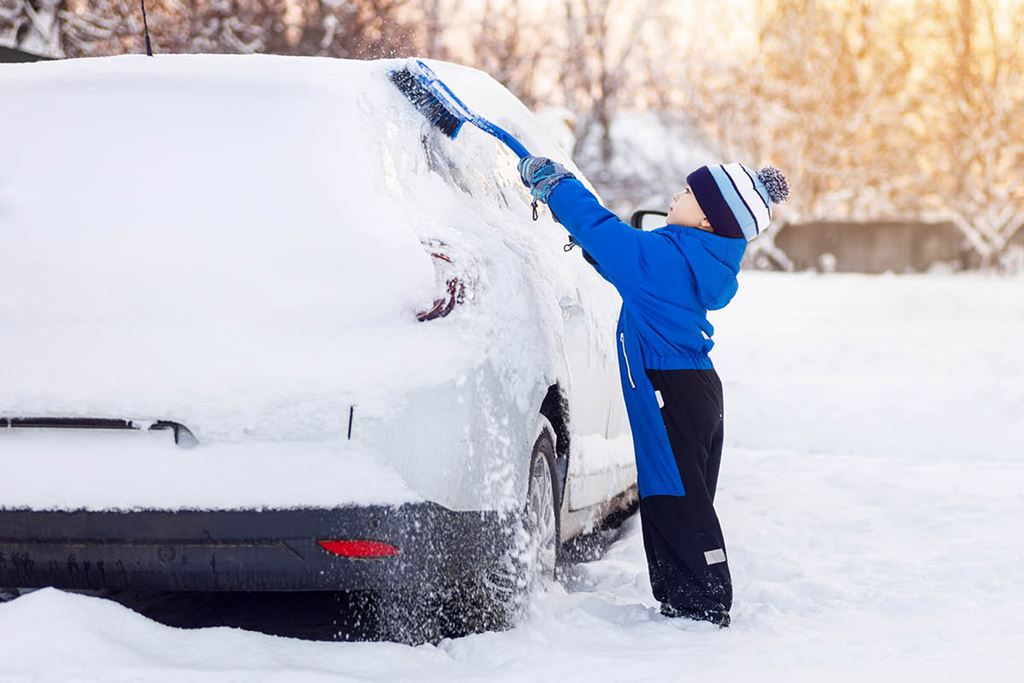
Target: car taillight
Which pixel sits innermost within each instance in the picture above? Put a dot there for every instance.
(452, 283)
(359, 548)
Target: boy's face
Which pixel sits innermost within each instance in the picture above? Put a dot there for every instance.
(686, 211)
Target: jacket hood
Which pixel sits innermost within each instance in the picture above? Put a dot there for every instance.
(715, 262)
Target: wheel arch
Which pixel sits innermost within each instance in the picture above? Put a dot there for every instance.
(555, 408)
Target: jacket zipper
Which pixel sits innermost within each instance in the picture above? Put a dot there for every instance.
(629, 373)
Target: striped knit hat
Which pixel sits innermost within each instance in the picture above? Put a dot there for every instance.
(737, 202)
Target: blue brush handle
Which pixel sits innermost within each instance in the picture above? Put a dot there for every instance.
(500, 133)
(478, 121)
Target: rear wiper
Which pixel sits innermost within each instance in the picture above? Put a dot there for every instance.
(182, 435)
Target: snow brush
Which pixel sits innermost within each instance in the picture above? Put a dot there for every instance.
(442, 107)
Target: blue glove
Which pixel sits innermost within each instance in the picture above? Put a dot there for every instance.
(540, 174)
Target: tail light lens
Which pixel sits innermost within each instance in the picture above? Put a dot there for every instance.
(359, 548)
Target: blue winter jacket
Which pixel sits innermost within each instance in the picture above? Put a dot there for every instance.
(669, 278)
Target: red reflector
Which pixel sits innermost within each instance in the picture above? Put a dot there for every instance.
(359, 548)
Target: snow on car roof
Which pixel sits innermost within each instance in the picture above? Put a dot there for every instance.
(234, 242)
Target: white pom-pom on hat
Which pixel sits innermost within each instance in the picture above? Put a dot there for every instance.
(775, 183)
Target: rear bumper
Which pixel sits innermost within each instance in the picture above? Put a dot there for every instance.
(239, 550)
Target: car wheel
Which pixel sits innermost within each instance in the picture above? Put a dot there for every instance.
(493, 598)
(503, 591)
(541, 522)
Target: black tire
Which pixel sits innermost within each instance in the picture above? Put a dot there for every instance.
(542, 460)
(506, 588)
(492, 599)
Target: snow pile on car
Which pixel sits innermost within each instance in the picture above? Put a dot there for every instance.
(241, 244)
(235, 243)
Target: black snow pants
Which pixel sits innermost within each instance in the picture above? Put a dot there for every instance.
(682, 537)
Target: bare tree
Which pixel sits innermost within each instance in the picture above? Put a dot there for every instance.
(337, 28)
(509, 44)
(596, 68)
(975, 148)
(825, 97)
(356, 29)
(107, 27)
(879, 110)
(31, 25)
(436, 14)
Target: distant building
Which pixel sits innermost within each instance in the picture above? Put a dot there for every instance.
(899, 247)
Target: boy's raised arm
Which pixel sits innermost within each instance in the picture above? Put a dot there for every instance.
(593, 262)
(613, 244)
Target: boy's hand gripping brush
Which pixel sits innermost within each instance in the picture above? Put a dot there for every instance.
(443, 108)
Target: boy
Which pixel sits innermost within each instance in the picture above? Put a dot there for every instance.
(669, 279)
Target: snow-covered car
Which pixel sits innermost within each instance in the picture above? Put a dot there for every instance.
(264, 328)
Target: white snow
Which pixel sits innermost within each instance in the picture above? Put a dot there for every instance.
(237, 244)
(928, 368)
(871, 495)
(599, 469)
(146, 470)
(601, 453)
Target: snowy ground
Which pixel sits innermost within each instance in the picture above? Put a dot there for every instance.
(872, 494)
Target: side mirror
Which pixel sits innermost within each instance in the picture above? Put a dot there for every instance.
(648, 220)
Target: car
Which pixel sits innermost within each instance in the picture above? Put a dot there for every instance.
(267, 330)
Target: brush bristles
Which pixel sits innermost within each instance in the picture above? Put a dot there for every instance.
(437, 112)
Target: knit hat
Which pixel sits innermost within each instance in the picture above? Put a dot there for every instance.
(737, 202)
